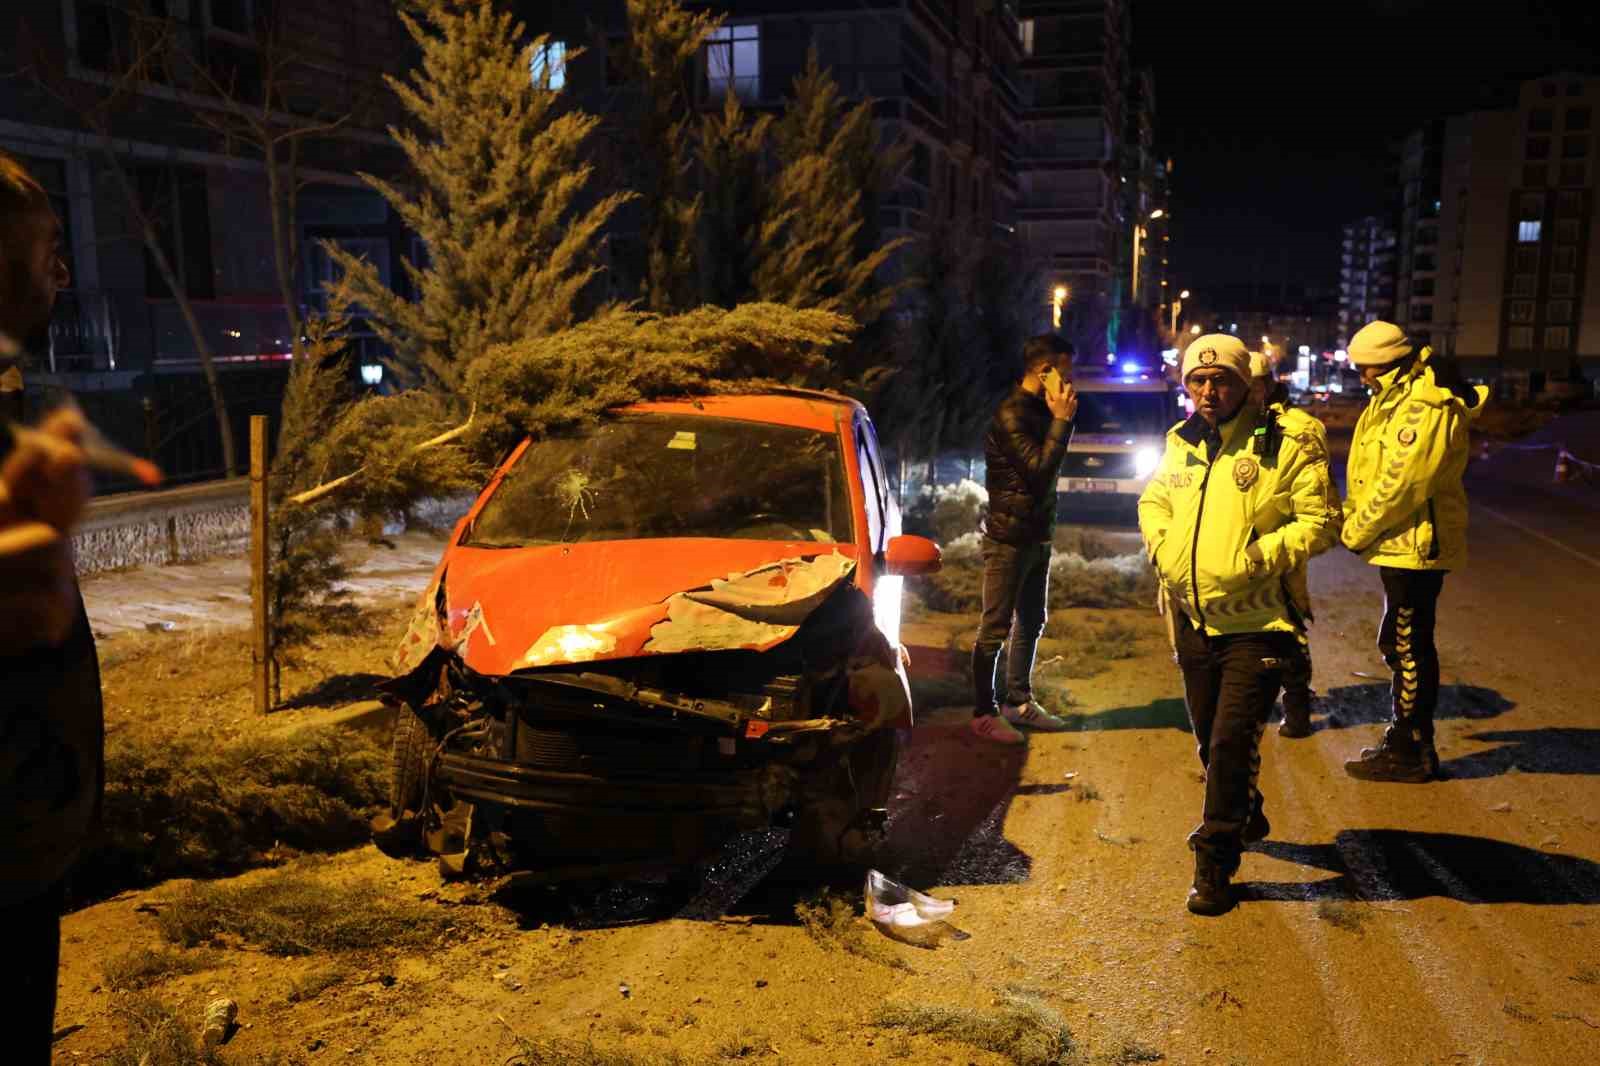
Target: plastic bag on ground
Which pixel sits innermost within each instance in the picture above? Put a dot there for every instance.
(895, 907)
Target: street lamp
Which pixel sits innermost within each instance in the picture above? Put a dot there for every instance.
(1195, 329)
(1057, 299)
(1177, 305)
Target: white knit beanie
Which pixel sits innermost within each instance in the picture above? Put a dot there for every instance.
(1378, 343)
(1217, 349)
(1259, 367)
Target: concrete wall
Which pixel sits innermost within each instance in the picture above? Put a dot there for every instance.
(194, 522)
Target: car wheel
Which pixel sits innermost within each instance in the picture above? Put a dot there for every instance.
(410, 751)
(836, 827)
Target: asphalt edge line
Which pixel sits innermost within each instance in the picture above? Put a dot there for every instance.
(1512, 522)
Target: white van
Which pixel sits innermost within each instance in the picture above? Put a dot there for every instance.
(1117, 439)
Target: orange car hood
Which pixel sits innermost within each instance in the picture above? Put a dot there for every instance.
(509, 609)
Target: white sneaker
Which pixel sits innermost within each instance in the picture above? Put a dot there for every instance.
(1032, 716)
(992, 727)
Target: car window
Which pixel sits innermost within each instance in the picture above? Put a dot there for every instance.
(1133, 413)
(880, 474)
(654, 475)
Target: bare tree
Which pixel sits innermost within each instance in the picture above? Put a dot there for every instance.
(100, 107)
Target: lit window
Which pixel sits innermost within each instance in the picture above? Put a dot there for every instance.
(1520, 338)
(1557, 338)
(1528, 232)
(733, 60)
(1026, 27)
(549, 59)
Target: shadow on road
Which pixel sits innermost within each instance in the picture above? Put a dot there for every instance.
(951, 797)
(336, 691)
(1530, 751)
(1352, 705)
(1392, 864)
(1158, 714)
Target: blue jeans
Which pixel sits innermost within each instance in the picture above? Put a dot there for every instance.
(1016, 592)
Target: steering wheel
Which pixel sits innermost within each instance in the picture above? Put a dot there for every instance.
(769, 518)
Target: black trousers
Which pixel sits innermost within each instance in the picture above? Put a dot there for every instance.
(1229, 686)
(28, 982)
(1297, 678)
(1016, 596)
(1410, 611)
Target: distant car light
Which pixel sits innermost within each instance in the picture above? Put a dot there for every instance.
(1144, 462)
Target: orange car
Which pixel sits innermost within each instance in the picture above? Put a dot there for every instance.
(655, 632)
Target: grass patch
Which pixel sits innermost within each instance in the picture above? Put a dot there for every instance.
(1351, 919)
(1021, 1028)
(745, 1044)
(187, 808)
(311, 985)
(830, 919)
(142, 967)
(156, 1036)
(1587, 975)
(290, 913)
(540, 1052)
(1134, 1052)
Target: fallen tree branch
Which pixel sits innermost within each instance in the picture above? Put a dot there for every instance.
(314, 494)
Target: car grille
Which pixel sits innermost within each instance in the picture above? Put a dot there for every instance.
(1098, 464)
(605, 752)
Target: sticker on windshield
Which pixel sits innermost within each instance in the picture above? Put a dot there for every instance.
(682, 440)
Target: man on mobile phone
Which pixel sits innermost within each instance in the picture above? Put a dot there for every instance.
(1026, 441)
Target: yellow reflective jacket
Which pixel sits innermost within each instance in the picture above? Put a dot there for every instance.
(1406, 507)
(1266, 487)
(1312, 436)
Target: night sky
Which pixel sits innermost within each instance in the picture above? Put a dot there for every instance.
(1279, 116)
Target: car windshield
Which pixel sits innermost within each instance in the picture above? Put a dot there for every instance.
(1133, 413)
(643, 476)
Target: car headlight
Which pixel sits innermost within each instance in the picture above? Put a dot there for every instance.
(1144, 462)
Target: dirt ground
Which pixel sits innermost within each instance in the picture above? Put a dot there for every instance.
(1452, 923)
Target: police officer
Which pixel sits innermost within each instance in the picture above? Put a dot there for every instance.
(1407, 515)
(1273, 398)
(1234, 506)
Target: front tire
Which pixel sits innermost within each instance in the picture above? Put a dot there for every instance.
(411, 748)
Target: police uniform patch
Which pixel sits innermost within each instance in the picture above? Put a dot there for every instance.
(1407, 436)
(1207, 357)
(1245, 472)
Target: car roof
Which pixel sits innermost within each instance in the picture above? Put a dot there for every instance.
(811, 409)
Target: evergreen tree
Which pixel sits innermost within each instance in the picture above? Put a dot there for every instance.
(818, 245)
(732, 150)
(500, 173)
(663, 41)
(304, 597)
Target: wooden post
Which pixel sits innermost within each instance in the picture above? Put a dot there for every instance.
(261, 644)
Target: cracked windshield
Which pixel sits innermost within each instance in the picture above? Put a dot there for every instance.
(655, 476)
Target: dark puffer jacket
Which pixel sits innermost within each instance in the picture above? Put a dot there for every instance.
(1023, 450)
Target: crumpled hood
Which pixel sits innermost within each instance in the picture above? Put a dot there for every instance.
(523, 608)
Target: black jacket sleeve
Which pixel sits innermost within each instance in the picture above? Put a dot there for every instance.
(1037, 464)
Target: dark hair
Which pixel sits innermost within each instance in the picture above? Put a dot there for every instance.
(20, 192)
(1045, 349)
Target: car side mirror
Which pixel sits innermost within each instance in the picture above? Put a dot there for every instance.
(910, 556)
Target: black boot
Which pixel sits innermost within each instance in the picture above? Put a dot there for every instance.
(1393, 760)
(1296, 719)
(1257, 828)
(1211, 894)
